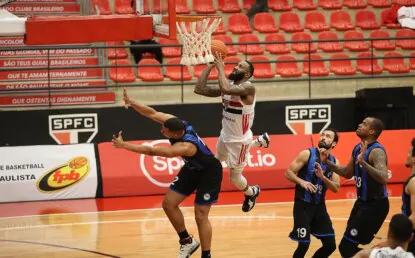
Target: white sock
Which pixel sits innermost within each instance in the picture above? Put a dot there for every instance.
(249, 192)
(255, 143)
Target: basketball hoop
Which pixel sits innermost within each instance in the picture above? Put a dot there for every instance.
(196, 32)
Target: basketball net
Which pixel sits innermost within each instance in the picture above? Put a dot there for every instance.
(196, 33)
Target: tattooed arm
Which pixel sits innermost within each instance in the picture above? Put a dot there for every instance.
(379, 170)
(344, 171)
(202, 88)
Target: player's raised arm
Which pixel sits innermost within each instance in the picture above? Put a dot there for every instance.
(145, 110)
(239, 88)
(202, 88)
(175, 150)
(344, 171)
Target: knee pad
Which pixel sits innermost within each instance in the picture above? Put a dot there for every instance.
(301, 250)
(348, 249)
(238, 179)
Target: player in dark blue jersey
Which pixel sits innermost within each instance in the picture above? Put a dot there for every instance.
(410, 160)
(312, 177)
(368, 166)
(201, 172)
(408, 205)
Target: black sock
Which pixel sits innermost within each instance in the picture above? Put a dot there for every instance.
(183, 235)
(206, 254)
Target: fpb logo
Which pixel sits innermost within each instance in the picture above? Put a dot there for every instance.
(73, 128)
(308, 119)
(65, 175)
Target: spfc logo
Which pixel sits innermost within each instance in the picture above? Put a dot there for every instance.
(73, 128)
(308, 119)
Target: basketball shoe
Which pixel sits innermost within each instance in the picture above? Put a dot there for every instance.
(263, 140)
(188, 246)
(249, 201)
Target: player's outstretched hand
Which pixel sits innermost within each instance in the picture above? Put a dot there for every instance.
(219, 62)
(117, 141)
(308, 186)
(318, 170)
(127, 100)
(361, 156)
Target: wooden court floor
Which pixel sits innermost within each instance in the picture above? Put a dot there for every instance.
(133, 227)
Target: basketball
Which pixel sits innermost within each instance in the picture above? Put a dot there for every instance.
(218, 48)
(78, 162)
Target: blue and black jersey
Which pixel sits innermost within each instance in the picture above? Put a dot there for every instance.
(307, 173)
(203, 155)
(367, 188)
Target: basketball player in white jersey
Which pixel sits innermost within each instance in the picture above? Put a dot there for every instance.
(235, 140)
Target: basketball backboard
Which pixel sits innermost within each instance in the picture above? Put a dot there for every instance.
(163, 13)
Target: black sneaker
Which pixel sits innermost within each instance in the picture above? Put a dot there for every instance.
(249, 201)
(264, 140)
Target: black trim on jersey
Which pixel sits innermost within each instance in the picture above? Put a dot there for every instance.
(233, 111)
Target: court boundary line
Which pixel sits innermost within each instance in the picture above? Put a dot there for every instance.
(155, 209)
(260, 217)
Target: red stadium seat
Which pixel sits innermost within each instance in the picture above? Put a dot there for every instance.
(333, 46)
(279, 5)
(227, 39)
(315, 21)
(329, 4)
(150, 73)
(395, 65)
(123, 7)
(280, 48)
(304, 5)
(341, 67)
(121, 74)
(230, 63)
(355, 45)
(384, 44)
(287, 69)
(116, 53)
(340, 20)
(388, 20)
(262, 70)
(103, 6)
(203, 6)
(405, 43)
(412, 61)
(379, 3)
(198, 69)
(265, 23)
(302, 47)
(238, 23)
(177, 72)
(354, 4)
(366, 20)
(220, 29)
(290, 22)
(318, 68)
(368, 64)
(170, 51)
(229, 6)
(247, 4)
(252, 49)
(181, 7)
(404, 2)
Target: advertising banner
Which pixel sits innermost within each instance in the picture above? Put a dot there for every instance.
(57, 99)
(53, 74)
(44, 62)
(47, 172)
(65, 85)
(46, 52)
(126, 173)
(42, 8)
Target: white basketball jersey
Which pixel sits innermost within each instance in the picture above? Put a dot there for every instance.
(237, 118)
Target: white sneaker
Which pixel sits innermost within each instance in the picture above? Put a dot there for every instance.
(186, 250)
(263, 140)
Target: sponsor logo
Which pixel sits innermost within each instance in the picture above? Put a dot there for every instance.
(161, 171)
(353, 232)
(73, 128)
(206, 197)
(64, 176)
(307, 119)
